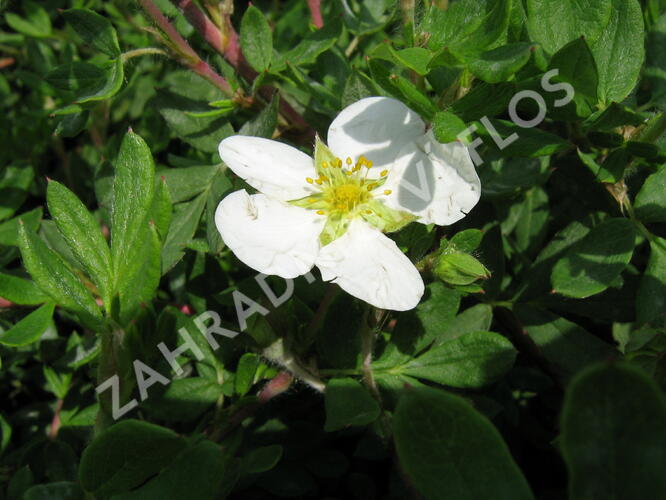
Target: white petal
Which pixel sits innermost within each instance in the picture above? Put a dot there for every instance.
(269, 235)
(369, 265)
(435, 181)
(274, 168)
(376, 127)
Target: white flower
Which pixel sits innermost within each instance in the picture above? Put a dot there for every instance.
(383, 170)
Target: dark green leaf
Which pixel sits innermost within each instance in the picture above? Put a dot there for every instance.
(256, 39)
(348, 403)
(9, 230)
(651, 297)
(446, 126)
(183, 225)
(14, 185)
(446, 448)
(594, 263)
(126, 455)
(95, 30)
(470, 361)
(650, 204)
(614, 419)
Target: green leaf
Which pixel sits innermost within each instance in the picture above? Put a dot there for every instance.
(245, 372)
(256, 39)
(554, 24)
(162, 210)
(651, 297)
(474, 319)
(650, 205)
(183, 225)
(619, 51)
(575, 65)
(61, 490)
(36, 22)
(20, 291)
(615, 115)
(348, 403)
(566, 345)
(467, 27)
(446, 126)
(263, 125)
(614, 419)
(655, 70)
(9, 230)
(108, 86)
(261, 459)
(95, 30)
(449, 450)
(594, 263)
(77, 77)
(220, 186)
(531, 142)
(472, 360)
(83, 235)
(133, 188)
(184, 400)
(30, 328)
(460, 269)
(187, 182)
(500, 64)
(126, 455)
(138, 287)
(357, 86)
(198, 472)
(53, 276)
(14, 185)
(308, 49)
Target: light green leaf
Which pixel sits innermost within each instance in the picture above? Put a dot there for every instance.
(554, 24)
(348, 403)
(53, 276)
(30, 328)
(449, 450)
(470, 361)
(20, 291)
(614, 434)
(133, 188)
(446, 126)
(83, 236)
(36, 22)
(594, 263)
(256, 39)
(619, 51)
(500, 64)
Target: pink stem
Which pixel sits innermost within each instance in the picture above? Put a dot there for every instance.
(315, 12)
(195, 63)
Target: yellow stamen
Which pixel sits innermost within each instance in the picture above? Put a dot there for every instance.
(387, 192)
(384, 173)
(309, 180)
(319, 181)
(320, 212)
(349, 161)
(324, 164)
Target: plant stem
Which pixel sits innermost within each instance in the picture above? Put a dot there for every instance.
(142, 52)
(315, 13)
(179, 45)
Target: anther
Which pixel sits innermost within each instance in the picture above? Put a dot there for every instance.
(319, 181)
(324, 164)
(309, 180)
(349, 161)
(384, 173)
(320, 212)
(387, 191)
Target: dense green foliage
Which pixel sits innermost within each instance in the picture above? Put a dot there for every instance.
(532, 368)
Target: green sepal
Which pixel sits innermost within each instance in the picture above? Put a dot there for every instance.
(384, 218)
(335, 227)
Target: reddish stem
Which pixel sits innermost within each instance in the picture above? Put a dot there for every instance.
(191, 58)
(315, 12)
(55, 422)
